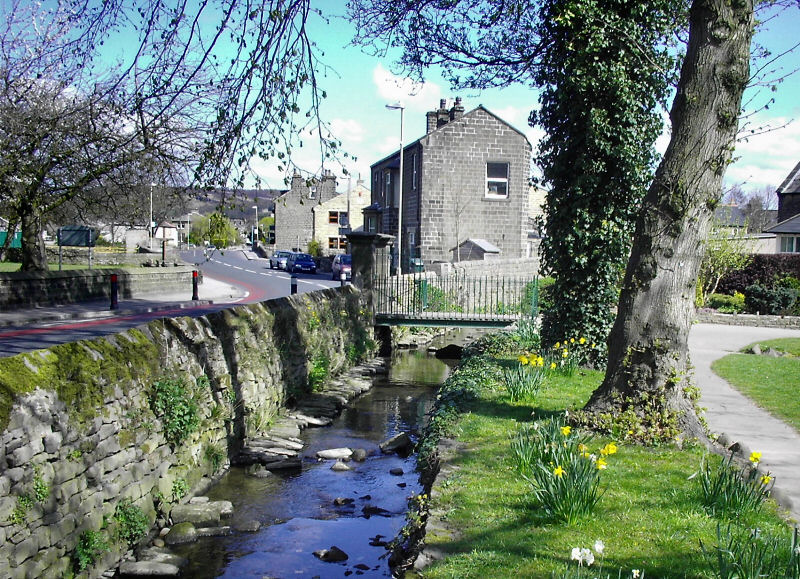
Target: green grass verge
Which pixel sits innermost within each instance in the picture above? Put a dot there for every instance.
(772, 383)
(650, 516)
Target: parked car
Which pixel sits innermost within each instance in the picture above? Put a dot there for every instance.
(278, 259)
(342, 264)
(300, 262)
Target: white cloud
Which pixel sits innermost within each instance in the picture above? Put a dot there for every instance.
(765, 159)
(413, 95)
(347, 130)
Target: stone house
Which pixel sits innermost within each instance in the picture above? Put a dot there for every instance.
(788, 228)
(334, 218)
(294, 210)
(466, 178)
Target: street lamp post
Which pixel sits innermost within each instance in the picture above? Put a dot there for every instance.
(151, 231)
(254, 234)
(399, 106)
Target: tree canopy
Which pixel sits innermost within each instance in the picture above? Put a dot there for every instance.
(104, 96)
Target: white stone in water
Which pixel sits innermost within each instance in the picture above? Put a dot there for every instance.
(335, 453)
(339, 466)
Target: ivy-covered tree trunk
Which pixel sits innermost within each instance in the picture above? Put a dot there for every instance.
(605, 74)
(648, 369)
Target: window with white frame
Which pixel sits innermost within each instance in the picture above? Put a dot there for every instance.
(387, 188)
(790, 244)
(414, 172)
(497, 180)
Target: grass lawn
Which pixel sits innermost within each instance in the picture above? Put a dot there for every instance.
(772, 383)
(649, 517)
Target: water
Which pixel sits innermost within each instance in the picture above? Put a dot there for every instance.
(297, 509)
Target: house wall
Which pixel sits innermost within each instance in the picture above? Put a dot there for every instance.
(323, 229)
(788, 206)
(453, 202)
(294, 218)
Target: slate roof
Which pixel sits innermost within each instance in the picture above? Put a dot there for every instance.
(792, 182)
(791, 225)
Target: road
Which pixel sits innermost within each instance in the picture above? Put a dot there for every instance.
(234, 267)
(243, 269)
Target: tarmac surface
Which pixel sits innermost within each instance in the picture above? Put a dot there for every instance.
(210, 291)
(731, 415)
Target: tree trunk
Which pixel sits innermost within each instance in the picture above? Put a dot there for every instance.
(648, 352)
(34, 257)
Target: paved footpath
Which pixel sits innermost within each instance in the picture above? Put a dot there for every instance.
(731, 413)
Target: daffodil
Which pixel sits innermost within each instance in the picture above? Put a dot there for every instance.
(635, 574)
(565, 430)
(552, 365)
(608, 449)
(540, 361)
(582, 340)
(601, 464)
(582, 447)
(557, 345)
(559, 472)
(572, 340)
(755, 457)
(599, 546)
(765, 479)
(564, 354)
(523, 360)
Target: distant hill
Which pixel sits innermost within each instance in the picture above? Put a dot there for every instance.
(238, 205)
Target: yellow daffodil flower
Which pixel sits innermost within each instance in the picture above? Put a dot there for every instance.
(564, 354)
(765, 479)
(755, 457)
(557, 345)
(523, 360)
(565, 430)
(552, 365)
(582, 340)
(572, 340)
(559, 472)
(601, 464)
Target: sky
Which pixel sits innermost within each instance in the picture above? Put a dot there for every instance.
(359, 86)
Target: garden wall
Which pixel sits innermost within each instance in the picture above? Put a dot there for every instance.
(82, 429)
(65, 287)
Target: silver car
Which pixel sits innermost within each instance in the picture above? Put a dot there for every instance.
(278, 259)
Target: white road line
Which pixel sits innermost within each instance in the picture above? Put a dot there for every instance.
(249, 271)
(237, 267)
(226, 264)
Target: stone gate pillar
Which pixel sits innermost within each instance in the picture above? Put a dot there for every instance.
(370, 253)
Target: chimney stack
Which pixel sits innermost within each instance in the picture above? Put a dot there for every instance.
(442, 115)
(457, 111)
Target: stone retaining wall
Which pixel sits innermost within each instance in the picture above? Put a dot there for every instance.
(65, 287)
(510, 267)
(80, 431)
(791, 322)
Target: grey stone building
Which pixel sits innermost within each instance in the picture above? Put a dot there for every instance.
(466, 178)
(788, 227)
(294, 210)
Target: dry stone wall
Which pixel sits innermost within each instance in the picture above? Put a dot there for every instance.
(81, 431)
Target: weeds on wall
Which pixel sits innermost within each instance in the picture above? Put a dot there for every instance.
(171, 400)
(214, 456)
(91, 546)
(132, 523)
(319, 372)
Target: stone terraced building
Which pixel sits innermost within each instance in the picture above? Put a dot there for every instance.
(466, 178)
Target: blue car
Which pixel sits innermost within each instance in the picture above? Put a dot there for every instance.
(301, 262)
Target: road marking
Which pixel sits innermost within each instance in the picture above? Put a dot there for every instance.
(250, 271)
(237, 267)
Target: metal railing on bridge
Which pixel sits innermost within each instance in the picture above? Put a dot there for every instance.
(456, 299)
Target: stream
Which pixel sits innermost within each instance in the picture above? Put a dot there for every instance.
(299, 511)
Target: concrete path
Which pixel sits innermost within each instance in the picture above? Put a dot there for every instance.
(729, 412)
